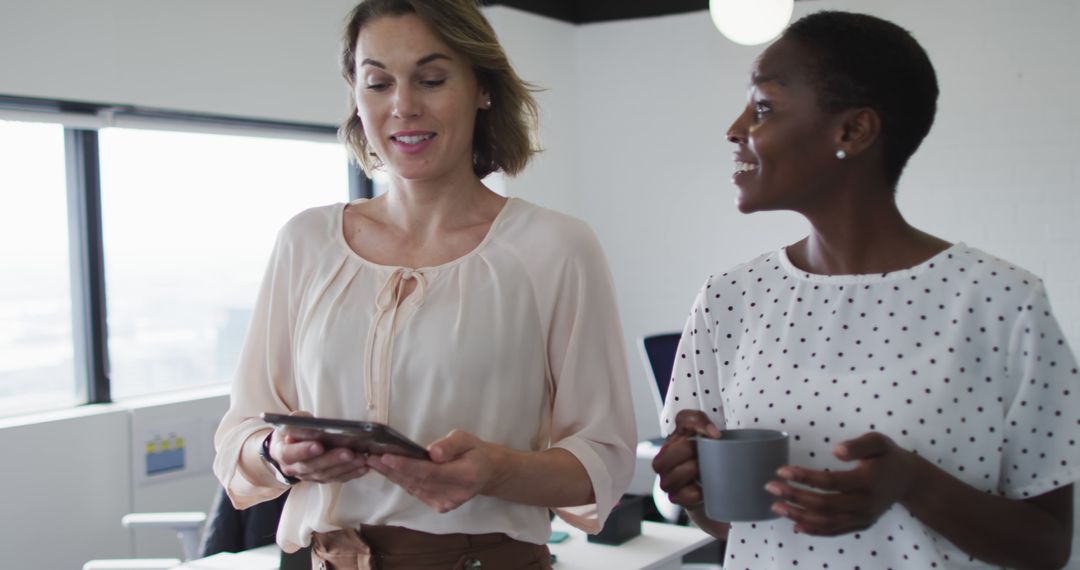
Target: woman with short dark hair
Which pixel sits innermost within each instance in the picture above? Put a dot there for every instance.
(928, 391)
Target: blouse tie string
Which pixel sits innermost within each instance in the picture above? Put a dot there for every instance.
(379, 349)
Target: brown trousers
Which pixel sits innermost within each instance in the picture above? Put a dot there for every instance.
(398, 548)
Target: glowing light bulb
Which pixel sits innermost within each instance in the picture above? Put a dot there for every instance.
(751, 22)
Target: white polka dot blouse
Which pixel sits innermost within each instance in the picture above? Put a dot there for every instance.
(958, 359)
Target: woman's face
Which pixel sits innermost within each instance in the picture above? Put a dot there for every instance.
(417, 99)
(786, 142)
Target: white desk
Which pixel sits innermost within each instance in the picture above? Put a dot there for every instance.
(660, 547)
(262, 558)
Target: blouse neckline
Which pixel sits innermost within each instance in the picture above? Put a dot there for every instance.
(340, 231)
(866, 278)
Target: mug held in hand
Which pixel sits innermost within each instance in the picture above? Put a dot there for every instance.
(734, 470)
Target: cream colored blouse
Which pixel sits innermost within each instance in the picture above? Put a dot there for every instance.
(517, 342)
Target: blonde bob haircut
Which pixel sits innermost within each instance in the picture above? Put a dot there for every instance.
(503, 134)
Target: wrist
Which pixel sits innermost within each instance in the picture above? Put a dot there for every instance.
(918, 481)
(272, 464)
(501, 462)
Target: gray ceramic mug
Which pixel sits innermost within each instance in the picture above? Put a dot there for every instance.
(734, 470)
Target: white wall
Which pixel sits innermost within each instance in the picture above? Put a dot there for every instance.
(542, 51)
(634, 116)
(259, 58)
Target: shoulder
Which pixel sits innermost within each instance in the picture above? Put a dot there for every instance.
(766, 266)
(525, 214)
(544, 232)
(312, 227)
(986, 271)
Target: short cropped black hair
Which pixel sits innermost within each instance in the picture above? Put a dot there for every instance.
(858, 60)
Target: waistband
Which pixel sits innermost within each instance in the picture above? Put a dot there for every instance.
(394, 548)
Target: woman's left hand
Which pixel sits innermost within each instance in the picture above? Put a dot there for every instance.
(462, 466)
(846, 501)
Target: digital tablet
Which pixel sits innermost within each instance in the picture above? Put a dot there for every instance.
(362, 437)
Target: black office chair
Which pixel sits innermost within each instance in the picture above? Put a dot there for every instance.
(658, 354)
(232, 530)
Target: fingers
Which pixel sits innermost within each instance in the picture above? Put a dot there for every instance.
(695, 422)
(866, 446)
(441, 487)
(689, 496)
(836, 481)
(676, 464)
(821, 524)
(821, 514)
(294, 451)
(677, 451)
(454, 445)
(838, 502)
(818, 502)
(307, 461)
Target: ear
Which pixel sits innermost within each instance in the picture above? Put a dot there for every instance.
(483, 98)
(859, 130)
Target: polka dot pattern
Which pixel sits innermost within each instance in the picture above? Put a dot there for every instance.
(958, 359)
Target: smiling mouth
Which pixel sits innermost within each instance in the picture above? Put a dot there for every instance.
(413, 139)
(741, 167)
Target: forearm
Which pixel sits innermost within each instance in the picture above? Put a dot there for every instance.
(1001, 531)
(549, 478)
(715, 528)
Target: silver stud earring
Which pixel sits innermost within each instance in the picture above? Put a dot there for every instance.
(487, 104)
(841, 154)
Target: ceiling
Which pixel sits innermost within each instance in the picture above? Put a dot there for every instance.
(587, 11)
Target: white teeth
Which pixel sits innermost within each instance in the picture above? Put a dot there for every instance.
(745, 166)
(413, 139)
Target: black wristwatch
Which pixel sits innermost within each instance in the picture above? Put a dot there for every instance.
(264, 453)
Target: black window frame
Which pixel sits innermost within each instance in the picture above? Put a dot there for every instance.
(84, 220)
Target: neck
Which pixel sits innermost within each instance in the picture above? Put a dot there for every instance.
(860, 232)
(427, 207)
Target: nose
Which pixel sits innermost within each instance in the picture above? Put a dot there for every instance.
(736, 133)
(406, 103)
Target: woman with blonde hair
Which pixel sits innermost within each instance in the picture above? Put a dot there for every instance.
(483, 327)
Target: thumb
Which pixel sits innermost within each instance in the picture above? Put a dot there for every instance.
(454, 445)
(695, 422)
(294, 434)
(866, 446)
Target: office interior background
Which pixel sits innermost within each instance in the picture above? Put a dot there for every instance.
(634, 115)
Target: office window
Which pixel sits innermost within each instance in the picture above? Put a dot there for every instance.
(36, 349)
(189, 222)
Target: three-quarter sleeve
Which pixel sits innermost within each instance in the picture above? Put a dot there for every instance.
(264, 378)
(1040, 444)
(695, 380)
(593, 413)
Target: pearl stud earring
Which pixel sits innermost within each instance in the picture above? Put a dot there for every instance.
(841, 154)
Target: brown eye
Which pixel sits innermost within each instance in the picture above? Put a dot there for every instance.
(761, 109)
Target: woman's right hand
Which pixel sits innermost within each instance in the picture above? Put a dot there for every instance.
(676, 463)
(300, 455)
